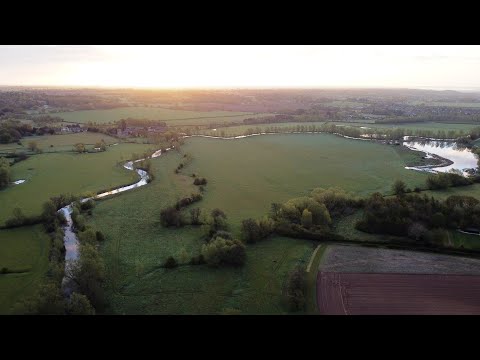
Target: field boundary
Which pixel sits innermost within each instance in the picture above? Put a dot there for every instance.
(312, 258)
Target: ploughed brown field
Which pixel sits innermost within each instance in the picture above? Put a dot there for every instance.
(397, 294)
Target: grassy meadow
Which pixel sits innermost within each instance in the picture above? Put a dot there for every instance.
(48, 175)
(58, 143)
(244, 177)
(170, 116)
(241, 129)
(414, 126)
(24, 252)
(136, 245)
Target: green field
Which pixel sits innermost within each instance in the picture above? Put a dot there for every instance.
(136, 245)
(56, 143)
(447, 104)
(244, 177)
(241, 129)
(172, 117)
(471, 190)
(414, 126)
(24, 251)
(53, 174)
(229, 131)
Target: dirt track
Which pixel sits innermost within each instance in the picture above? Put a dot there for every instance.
(397, 294)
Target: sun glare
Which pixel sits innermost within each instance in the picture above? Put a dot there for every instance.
(197, 66)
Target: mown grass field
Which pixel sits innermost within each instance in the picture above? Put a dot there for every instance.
(171, 117)
(48, 175)
(24, 252)
(245, 176)
(136, 245)
(56, 143)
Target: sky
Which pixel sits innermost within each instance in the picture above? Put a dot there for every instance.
(455, 67)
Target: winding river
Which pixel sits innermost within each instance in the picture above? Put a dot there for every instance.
(70, 238)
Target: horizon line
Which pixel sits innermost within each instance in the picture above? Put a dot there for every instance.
(323, 87)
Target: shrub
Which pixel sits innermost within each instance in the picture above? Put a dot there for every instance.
(170, 263)
(100, 237)
(306, 219)
(197, 260)
(4, 270)
(200, 181)
(88, 236)
(223, 234)
(250, 231)
(296, 289)
(79, 305)
(87, 205)
(170, 216)
(399, 188)
(224, 252)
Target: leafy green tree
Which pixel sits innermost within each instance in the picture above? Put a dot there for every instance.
(399, 188)
(32, 146)
(296, 289)
(224, 252)
(5, 173)
(307, 219)
(183, 256)
(88, 236)
(195, 216)
(170, 263)
(80, 148)
(79, 305)
(47, 301)
(17, 219)
(89, 273)
(250, 231)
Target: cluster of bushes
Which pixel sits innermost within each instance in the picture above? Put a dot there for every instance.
(255, 230)
(305, 211)
(13, 131)
(295, 291)
(51, 218)
(49, 298)
(445, 180)
(101, 145)
(188, 201)
(200, 181)
(88, 273)
(172, 215)
(224, 252)
(19, 219)
(5, 173)
(418, 216)
(187, 159)
(303, 217)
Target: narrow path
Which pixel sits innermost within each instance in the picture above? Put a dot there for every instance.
(311, 279)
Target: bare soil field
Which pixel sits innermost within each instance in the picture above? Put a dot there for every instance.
(397, 294)
(357, 259)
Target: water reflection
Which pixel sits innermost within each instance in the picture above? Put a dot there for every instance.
(460, 156)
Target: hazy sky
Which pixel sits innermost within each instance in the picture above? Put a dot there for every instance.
(446, 67)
